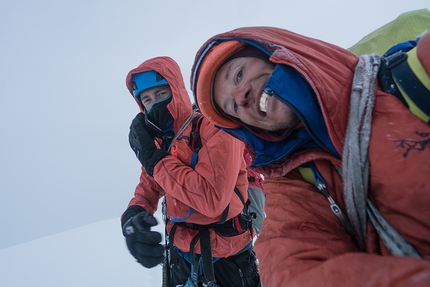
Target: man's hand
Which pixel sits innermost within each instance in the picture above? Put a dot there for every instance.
(143, 144)
(143, 243)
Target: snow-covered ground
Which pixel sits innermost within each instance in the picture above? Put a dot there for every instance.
(92, 255)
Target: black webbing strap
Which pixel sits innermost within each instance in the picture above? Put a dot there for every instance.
(224, 214)
(248, 216)
(395, 72)
(194, 260)
(206, 256)
(195, 140)
(236, 190)
(412, 86)
(385, 76)
(207, 259)
(172, 256)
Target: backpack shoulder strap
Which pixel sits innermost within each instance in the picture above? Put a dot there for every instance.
(195, 139)
(402, 75)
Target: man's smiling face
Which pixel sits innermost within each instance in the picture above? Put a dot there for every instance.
(238, 91)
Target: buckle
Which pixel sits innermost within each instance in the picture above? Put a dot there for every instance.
(394, 59)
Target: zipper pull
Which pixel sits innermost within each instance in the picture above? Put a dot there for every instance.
(322, 187)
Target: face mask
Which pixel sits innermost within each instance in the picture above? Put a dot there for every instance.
(158, 118)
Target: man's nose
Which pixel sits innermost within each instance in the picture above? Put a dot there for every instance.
(149, 101)
(242, 96)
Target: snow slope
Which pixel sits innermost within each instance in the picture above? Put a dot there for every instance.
(92, 255)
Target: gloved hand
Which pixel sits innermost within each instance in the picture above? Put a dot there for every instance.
(143, 243)
(143, 144)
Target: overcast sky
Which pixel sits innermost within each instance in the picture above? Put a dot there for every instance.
(64, 108)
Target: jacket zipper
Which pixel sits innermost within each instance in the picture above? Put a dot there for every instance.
(322, 187)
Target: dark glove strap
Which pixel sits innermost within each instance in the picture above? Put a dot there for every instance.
(130, 212)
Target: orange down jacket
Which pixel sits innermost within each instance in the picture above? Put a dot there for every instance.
(302, 243)
(209, 187)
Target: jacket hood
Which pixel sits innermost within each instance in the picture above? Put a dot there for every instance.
(327, 69)
(180, 106)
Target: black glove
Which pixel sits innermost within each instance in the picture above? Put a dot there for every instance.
(143, 144)
(143, 243)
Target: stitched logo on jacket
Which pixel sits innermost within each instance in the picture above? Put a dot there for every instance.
(419, 145)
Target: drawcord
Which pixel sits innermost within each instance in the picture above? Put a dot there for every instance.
(182, 128)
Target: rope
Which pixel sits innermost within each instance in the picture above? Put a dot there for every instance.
(355, 163)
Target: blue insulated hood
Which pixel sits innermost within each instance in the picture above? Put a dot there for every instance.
(288, 86)
(268, 152)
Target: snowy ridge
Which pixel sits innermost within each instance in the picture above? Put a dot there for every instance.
(92, 255)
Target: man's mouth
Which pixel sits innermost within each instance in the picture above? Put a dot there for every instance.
(263, 102)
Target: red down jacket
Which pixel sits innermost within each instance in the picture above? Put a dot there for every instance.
(209, 187)
(302, 243)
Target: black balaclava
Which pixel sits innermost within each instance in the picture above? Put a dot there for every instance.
(158, 117)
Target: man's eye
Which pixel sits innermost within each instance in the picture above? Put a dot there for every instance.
(235, 107)
(239, 75)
